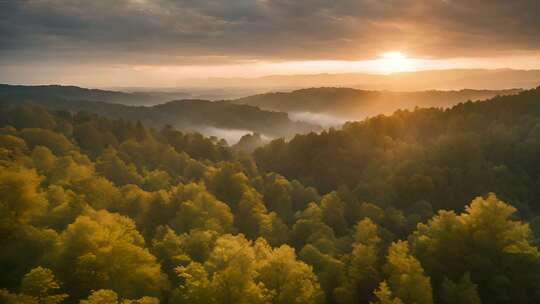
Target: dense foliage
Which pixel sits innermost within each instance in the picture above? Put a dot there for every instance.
(399, 210)
(432, 157)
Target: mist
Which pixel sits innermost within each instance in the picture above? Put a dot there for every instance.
(323, 120)
(232, 136)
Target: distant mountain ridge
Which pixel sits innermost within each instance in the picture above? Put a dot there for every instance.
(357, 104)
(454, 79)
(190, 115)
(79, 93)
(271, 114)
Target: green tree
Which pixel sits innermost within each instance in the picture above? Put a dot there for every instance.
(362, 268)
(56, 142)
(485, 241)
(173, 250)
(465, 291)
(32, 117)
(333, 213)
(254, 220)
(228, 185)
(277, 196)
(330, 270)
(116, 170)
(198, 209)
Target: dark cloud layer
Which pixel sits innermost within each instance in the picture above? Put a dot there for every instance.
(209, 31)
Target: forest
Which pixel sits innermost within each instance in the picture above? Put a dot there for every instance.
(355, 104)
(422, 206)
(154, 110)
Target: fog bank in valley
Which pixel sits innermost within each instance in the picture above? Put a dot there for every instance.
(232, 136)
(323, 120)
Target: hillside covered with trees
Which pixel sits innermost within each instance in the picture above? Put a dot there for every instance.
(187, 114)
(354, 104)
(424, 206)
(25, 92)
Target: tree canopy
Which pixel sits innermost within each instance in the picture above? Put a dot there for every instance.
(425, 206)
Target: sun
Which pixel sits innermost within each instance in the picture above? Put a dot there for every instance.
(393, 62)
(393, 55)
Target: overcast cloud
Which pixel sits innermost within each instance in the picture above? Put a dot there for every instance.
(228, 31)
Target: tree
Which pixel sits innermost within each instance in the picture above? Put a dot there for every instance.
(22, 205)
(156, 180)
(406, 276)
(21, 199)
(101, 296)
(40, 283)
(228, 185)
(116, 170)
(70, 170)
(289, 280)
(15, 145)
(362, 272)
(329, 269)
(56, 142)
(107, 296)
(228, 276)
(277, 196)
(198, 209)
(486, 242)
(32, 117)
(104, 250)
(39, 286)
(333, 212)
(254, 220)
(195, 287)
(384, 295)
(310, 229)
(7, 297)
(44, 159)
(99, 192)
(240, 271)
(90, 138)
(465, 291)
(173, 250)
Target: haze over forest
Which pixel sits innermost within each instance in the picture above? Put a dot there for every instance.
(269, 152)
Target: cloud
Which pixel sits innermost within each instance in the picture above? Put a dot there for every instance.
(231, 31)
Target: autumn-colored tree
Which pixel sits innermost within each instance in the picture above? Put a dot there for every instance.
(406, 276)
(384, 295)
(104, 250)
(362, 268)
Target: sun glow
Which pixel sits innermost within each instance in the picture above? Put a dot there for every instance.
(393, 62)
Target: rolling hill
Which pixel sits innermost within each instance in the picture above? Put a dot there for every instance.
(353, 104)
(226, 120)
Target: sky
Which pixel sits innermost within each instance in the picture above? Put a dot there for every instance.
(169, 42)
